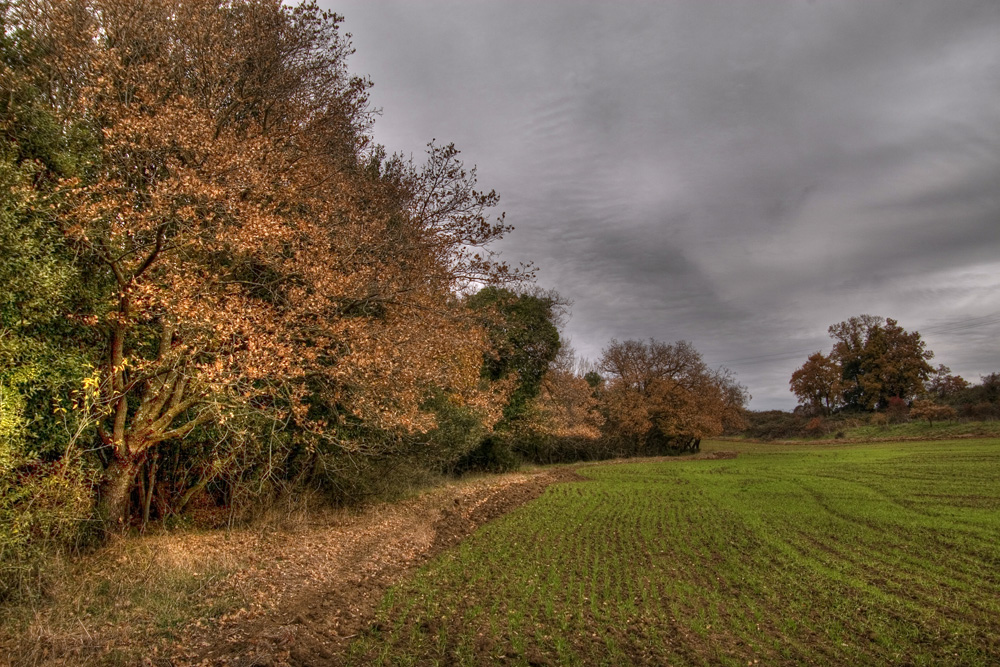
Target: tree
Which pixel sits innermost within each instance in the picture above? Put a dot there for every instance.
(661, 397)
(523, 334)
(251, 247)
(524, 339)
(877, 359)
(990, 387)
(45, 490)
(817, 383)
(593, 379)
(943, 386)
(42, 357)
(565, 418)
(931, 411)
(980, 401)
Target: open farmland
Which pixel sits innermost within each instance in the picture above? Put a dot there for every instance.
(877, 553)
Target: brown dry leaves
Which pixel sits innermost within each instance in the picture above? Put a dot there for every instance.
(238, 201)
(296, 590)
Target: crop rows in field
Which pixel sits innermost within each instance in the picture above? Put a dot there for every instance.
(867, 554)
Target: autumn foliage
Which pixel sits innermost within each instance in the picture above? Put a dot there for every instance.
(874, 361)
(660, 397)
(931, 411)
(217, 288)
(247, 248)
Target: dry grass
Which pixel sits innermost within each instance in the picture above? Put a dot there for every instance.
(185, 596)
(133, 592)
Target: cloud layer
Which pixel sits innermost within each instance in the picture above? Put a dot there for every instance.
(740, 175)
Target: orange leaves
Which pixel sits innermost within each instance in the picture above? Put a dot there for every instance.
(667, 390)
(818, 383)
(241, 216)
(567, 407)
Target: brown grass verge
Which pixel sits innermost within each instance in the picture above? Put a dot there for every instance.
(283, 592)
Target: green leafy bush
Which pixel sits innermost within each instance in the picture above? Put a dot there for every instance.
(44, 509)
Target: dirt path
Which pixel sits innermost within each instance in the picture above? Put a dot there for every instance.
(315, 587)
(284, 596)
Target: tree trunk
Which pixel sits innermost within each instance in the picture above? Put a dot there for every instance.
(189, 495)
(148, 495)
(115, 495)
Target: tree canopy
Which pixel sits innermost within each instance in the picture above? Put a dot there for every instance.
(818, 383)
(661, 396)
(873, 360)
(250, 246)
(524, 339)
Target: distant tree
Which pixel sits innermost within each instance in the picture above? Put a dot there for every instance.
(990, 388)
(878, 360)
(661, 397)
(932, 412)
(943, 386)
(817, 384)
(979, 401)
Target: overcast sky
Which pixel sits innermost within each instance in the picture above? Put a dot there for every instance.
(738, 174)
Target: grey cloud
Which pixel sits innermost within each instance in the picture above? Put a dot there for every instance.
(738, 174)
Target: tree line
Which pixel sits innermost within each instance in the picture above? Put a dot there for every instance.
(216, 288)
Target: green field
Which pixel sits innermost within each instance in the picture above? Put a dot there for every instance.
(881, 553)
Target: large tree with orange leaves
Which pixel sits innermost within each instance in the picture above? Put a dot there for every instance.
(254, 247)
(662, 396)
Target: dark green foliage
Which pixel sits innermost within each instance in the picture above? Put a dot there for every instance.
(362, 464)
(774, 425)
(459, 431)
(494, 454)
(989, 388)
(524, 338)
(978, 402)
(547, 449)
(45, 481)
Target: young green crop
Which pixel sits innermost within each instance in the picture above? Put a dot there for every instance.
(878, 553)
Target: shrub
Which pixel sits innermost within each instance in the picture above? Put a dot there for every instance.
(494, 454)
(773, 425)
(897, 411)
(932, 412)
(816, 426)
(981, 411)
(44, 509)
